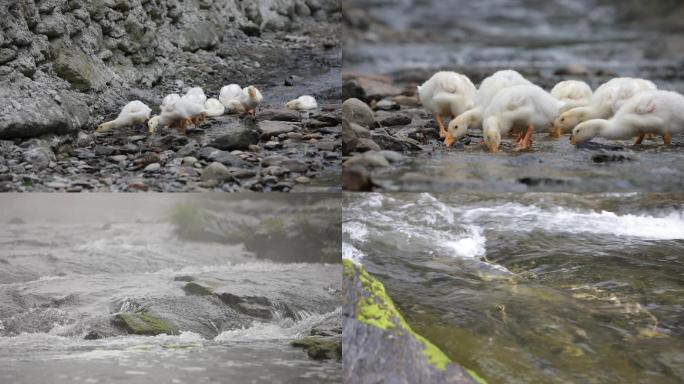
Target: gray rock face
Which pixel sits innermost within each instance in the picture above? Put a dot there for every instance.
(93, 53)
(26, 110)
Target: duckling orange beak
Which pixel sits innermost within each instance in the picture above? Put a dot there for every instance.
(573, 140)
(556, 132)
(449, 139)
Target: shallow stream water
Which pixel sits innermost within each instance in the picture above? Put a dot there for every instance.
(533, 288)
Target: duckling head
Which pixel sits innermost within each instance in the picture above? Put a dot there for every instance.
(569, 119)
(153, 124)
(586, 131)
(491, 128)
(293, 104)
(252, 92)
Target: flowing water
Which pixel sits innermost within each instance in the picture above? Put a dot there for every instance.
(533, 288)
(62, 280)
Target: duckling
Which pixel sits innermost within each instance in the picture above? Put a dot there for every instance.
(302, 103)
(197, 94)
(228, 93)
(573, 94)
(519, 106)
(135, 112)
(483, 96)
(250, 99)
(182, 112)
(658, 112)
(214, 107)
(446, 94)
(168, 99)
(605, 102)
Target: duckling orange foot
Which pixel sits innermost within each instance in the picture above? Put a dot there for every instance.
(440, 122)
(639, 139)
(667, 138)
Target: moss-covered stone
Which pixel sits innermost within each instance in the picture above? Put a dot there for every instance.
(196, 289)
(143, 323)
(318, 347)
(375, 308)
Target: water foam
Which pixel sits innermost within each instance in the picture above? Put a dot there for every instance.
(286, 329)
(349, 252)
(525, 218)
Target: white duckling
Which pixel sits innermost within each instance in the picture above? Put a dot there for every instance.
(182, 112)
(250, 99)
(518, 106)
(658, 112)
(228, 93)
(606, 100)
(302, 103)
(168, 99)
(483, 96)
(135, 112)
(214, 107)
(573, 94)
(446, 94)
(196, 94)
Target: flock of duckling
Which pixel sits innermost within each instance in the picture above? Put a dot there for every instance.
(620, 109)
(194, 108)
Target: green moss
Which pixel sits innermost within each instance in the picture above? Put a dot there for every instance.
(143, 323)
(379, 311)
(196, 289)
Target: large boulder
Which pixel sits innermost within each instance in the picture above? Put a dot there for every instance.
(26, 111)
(380, 346)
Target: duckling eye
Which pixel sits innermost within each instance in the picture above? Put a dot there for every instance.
(562, 119)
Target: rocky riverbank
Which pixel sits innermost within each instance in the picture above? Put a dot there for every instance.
(65, 67)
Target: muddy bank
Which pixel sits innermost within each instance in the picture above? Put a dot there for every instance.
(65, 67)
(388, 51)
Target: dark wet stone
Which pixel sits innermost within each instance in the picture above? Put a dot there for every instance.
(239, 138)
(184, 278)
(271, 129)
(280, 115)
(102, 150)
(387, 119)
(83, 153)
(192, 288)
(386, 141)
(607, 157)
(224, 157)
(541, 181)
(129, 148)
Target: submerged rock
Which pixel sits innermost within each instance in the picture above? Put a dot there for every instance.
(196, 289)
(143, 323)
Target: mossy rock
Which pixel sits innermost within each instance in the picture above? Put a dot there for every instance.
(143, 323)
(318, 347)
(196, 289)
(381, 346)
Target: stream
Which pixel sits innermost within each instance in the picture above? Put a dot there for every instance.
(533, 288)
(63, 280)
